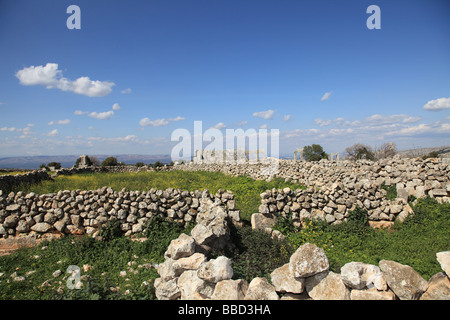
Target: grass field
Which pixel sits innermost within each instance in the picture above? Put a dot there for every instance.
(119, 268)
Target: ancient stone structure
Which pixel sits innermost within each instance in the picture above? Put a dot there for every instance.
(298, 152)
(187, 274)
(79, 212)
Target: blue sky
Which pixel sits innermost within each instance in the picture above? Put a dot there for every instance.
(138, 70)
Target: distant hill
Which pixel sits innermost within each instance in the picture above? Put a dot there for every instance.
(419, 152)
(67, 161)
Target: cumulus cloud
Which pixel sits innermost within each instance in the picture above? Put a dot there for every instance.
(65, 121)
(177, 119)
(159, 122)
(326, 96)
(101, 115)
(219, 126)
(265, 114)
(154, 123)
(437, 105)
(53, 133)
(287, 118)
(125, 91)
(51, 77)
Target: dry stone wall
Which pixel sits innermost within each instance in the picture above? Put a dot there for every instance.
(187, 274)
(79, 211)
(335, 188)
(7, 182)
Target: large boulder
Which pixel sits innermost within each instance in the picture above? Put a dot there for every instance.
(444, 260)
(216, 270)
(327, 286)
(167, 290)
(262, 221)
(438, 288)
(230, 290)
(307, 261)
(284, 281)
(261, 289)
(406, 283)
(372, 294)
(212, 229)
(358, 275)
(183, 246)
(194, 288)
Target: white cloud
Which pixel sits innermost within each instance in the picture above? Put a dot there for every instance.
(437, 105)
(51, 77)
(159, 122)
(219, 126)
(65, 121)
(101, 115)
(287, 117)
(393, 118)
(125, 91)
(177, 119)
(80, 113)
(242, 123)
(155, 123)
(326, 96)
(264, 126)
(116, 107)
(24, 131)
(265, 114)
(322, 122)
(53, 133)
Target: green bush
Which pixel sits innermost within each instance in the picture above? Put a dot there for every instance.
(256, 254)
(314, 153)
(111, 230)
(110, 162)
(391, 191)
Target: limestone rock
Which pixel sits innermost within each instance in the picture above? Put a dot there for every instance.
(230, 290)
(216, 270)
(42, 227)
(444, 260)
(406, 283)
(183, 246)
(284, 281)
(372, 294)
(358, 275)
(261, 289)
(167, 290)
(261, 221)
(327, 286)
(194, 288)
(308, 260)
(438, 288)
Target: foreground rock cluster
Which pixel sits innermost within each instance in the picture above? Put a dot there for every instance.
(187, 274)
(79, 212)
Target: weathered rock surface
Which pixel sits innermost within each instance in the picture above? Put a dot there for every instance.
(307, 261)
(261, 289)
(284, 281)
(406, 283)
(327, 286)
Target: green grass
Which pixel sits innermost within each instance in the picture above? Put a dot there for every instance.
(106, 258)
(414, 242)
(246, 190)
